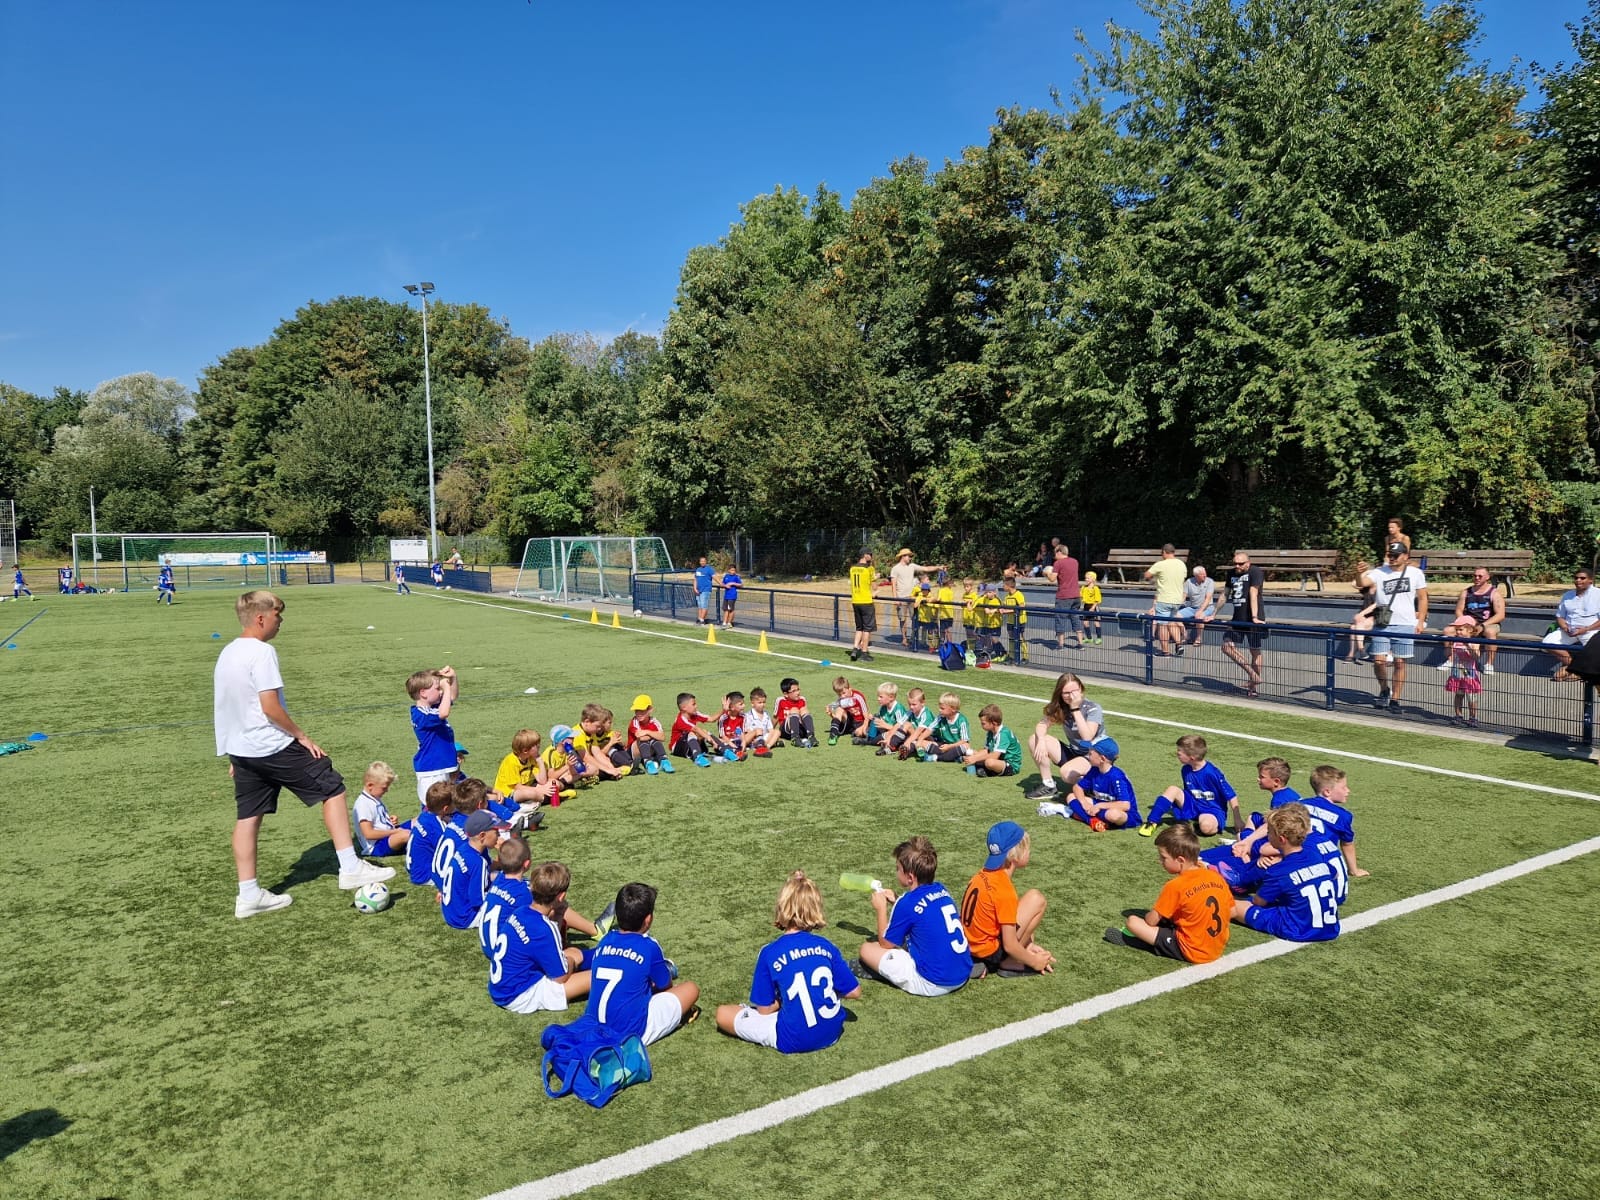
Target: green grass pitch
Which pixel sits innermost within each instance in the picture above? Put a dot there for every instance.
(155, 1046)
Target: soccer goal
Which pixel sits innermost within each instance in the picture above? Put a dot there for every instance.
(133, 561)
(564, 569)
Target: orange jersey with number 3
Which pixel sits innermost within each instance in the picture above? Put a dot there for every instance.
(1198, 903)
(989, 902)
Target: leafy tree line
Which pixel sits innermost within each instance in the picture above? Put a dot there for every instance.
(1272, 273)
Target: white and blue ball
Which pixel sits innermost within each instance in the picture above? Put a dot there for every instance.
(372, 898)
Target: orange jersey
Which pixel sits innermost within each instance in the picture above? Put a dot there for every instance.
(1198, 903)
(990, 902)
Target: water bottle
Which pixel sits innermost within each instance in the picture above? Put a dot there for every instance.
(859, 881)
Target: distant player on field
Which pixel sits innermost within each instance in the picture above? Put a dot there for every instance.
(165, 588)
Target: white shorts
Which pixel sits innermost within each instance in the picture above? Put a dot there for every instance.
(548, 995)
(666, 1014)
(426, 779)
(758, 1027)
(1558, 638)
(900, 969)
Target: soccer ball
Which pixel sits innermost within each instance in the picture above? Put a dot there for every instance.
(372, 898)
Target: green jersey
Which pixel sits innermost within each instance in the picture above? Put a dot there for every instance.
(1004, 743)
(890, 715)
(949, 730)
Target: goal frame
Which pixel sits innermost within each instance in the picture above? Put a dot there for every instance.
(560, 570)
(233, 567)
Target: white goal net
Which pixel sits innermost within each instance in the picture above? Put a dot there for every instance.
(127, 562)
(564, 569)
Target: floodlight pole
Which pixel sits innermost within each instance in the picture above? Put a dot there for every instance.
(425, 290)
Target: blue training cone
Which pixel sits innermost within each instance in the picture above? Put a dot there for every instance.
(216, 635)
(826, 663)
(38, 737)
(11, 645)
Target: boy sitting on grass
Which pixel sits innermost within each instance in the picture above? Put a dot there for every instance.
(521, 778)
(530, 968)
(1189, 920)
(1000, 926)
(633, 993)
(891, 715)
(921, 948)
(1202, 798)
(1103, 799)
(951, 739)
(847, 714)
(793, 717)
(378, 834)
(426, 831)
(1297, 898)
(1002, 752)
(694, 736)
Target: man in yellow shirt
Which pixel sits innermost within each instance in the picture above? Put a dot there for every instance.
(862, 580)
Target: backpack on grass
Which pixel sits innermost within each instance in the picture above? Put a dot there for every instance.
(953, 656)
(581, 1059)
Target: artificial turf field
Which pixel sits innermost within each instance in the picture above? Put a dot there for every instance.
(155, 1046)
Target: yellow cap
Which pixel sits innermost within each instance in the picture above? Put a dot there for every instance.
(640, 703)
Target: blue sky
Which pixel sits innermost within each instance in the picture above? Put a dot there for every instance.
(181, 176)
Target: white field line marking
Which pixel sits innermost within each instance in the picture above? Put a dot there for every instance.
(1188, 727)
(680, 1145)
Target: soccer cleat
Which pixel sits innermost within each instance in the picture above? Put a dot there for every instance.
(693, 1015)
(624, 772)
(978, 971)
(262, 902)
(652, 768)
(854, 654)
(732, 755)
(880, 751)
(972, 768)
(762, 751)
(526, 822)
(1148, 829)
(606, 919)
(1042, 792)
(701, 760)
(1048, 808)
(864, 656)
(833, 739)
(1117, 937)
(672, 968)
(1096, 824)
(860, 741)
(362, 874)
(667, 768)
(563, 794)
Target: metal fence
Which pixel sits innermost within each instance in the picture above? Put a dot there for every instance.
(1303, 666)
(461, 579)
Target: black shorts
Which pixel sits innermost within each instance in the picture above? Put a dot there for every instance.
(1246, 631)
(866, 617)
(1166, 944)
(993, 961)
(257, 781)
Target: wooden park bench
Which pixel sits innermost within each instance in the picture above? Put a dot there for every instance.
(1138, 561)
(1308, 564)
(1503, 566)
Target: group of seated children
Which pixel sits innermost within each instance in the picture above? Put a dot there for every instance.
(913, 730)
(1286, 874)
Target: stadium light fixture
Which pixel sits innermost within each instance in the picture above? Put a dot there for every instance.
(425, 290)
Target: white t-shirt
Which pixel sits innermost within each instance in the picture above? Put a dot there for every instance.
(371, 808)
(1398, 590)
(246, 668)
(1578, 611)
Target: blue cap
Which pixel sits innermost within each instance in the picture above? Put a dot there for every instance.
(1105, 746)
(1004, 837)
(559, 734)
(460, 749)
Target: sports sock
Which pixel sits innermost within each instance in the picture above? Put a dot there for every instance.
(348, 859)
(248, 889)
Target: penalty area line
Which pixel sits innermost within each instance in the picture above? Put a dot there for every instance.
(974, 686)
(639, 1159)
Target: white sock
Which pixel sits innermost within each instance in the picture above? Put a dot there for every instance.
(1049, 785)
(248, 888)
(348, 859)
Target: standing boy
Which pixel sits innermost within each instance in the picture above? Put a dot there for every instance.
(433, 694)
(863, 607)
(268, 752)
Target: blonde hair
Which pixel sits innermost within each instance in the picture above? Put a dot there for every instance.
(252, 604)
(419, 680)
(1193, 745)
(799, 904)
(1324, 777)
(889, 688)
(379, 772)
(950, 698)
(916, 694)
(1291, 822)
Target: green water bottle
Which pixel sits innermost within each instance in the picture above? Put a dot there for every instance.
(858, 881)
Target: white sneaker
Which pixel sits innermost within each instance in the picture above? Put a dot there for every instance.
(363, 874)
(1444, 666)
(263, 902)
(1488, 668)
(1047, 809)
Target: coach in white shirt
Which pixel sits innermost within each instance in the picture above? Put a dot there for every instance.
(1577, 619)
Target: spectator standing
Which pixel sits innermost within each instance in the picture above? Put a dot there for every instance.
(1243, 587)
(1400, 597)
(1577, 619)
(1481, 600)
(902, 580)
(1063, 572)
(1169, 575)
(704, 578)
(1199, 603)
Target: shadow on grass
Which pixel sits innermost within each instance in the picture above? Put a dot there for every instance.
(312, 864)
(32, 1126)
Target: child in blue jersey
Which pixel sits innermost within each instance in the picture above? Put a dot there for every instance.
(731, 583)
(1331, 819)
(1002, 752)
(631, 989)
(64, 581)
(921, 947)
(165, 588)
(1272, 777)
(19, 586)
(1297, 898)
(1203, 797)
(378, 834)
(400, 588)
(1104, 798)
(433, 694)
(426, 831)
(462, 865)
(801, 980)
(530, 968)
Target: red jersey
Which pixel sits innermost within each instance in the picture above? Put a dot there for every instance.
(636, 727)
(685, 723)
(731, 726)
(788, 708)
(855, 704)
